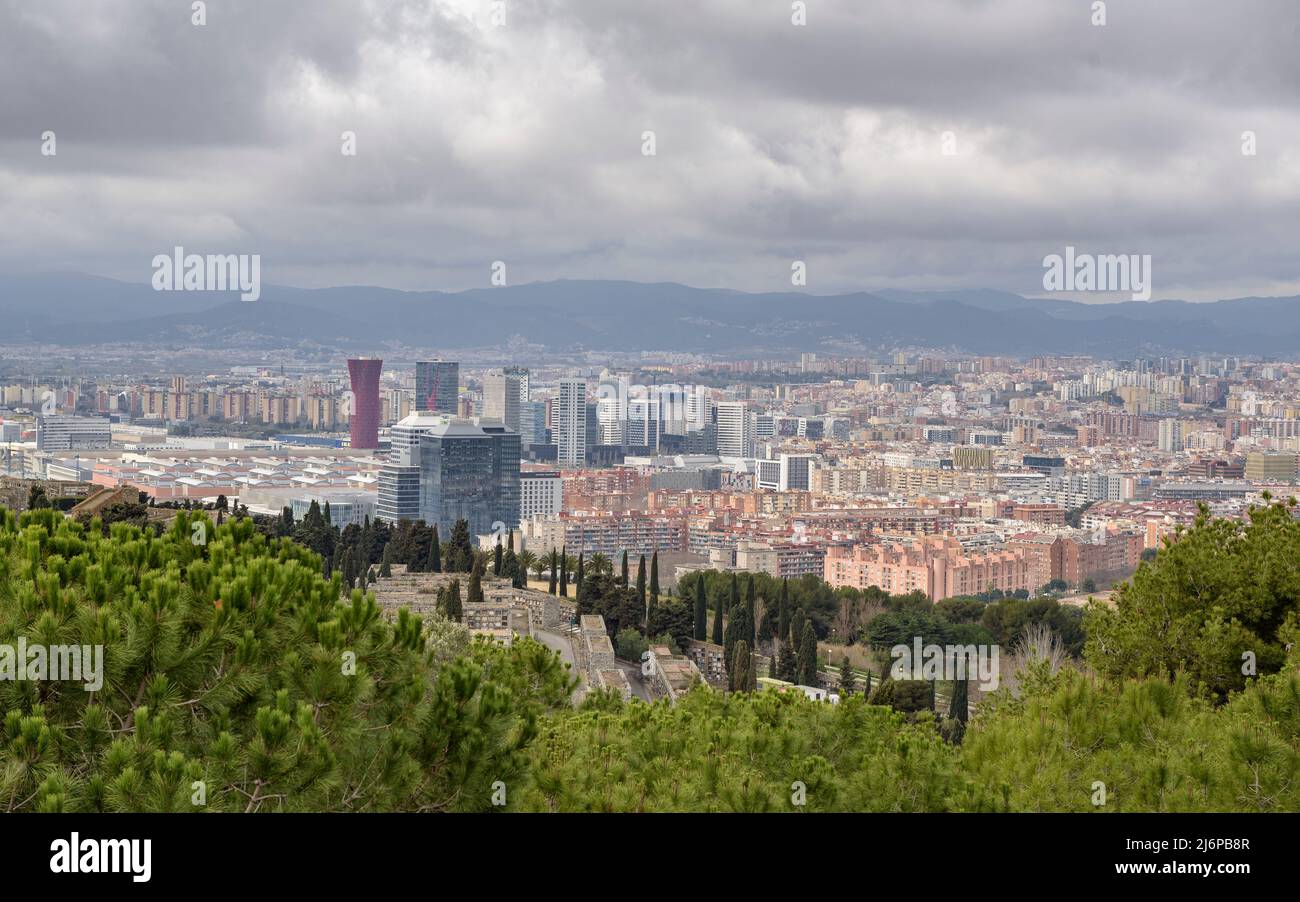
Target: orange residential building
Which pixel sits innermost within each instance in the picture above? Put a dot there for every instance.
(937, 566)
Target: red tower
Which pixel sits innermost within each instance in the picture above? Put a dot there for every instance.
(364, 416)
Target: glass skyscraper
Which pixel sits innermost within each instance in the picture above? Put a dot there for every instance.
(444, 469)
(437, 386)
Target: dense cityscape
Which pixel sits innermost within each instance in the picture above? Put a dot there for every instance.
(916, 474)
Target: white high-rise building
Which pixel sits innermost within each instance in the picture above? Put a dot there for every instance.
(611, 409)
(571, 422)
(540, 494)
(735, 429)
(1170, 435)
(699, 409)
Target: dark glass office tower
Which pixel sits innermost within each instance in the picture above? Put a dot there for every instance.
(443, 470)
(437, 384)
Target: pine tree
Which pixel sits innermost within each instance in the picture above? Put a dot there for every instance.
(788, 666)
(701, 610)
(806, 665)
(847, 681)
(435, 552)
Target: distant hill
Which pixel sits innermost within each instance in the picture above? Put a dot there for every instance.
(77, 309)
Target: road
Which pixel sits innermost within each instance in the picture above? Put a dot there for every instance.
(561, 643)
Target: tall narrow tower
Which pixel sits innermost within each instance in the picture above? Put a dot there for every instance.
(364, 415)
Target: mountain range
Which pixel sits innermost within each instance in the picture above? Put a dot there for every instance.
(77, 309)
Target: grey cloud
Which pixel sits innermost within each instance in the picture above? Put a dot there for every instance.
(774, 142)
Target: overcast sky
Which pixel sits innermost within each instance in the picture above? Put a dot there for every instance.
(774, 142)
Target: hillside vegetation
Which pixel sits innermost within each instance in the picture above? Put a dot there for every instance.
(237, 678)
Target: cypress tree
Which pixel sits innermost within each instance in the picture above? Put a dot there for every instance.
(454, 609)
(348, 567)
(783, 613)
(806, 664)
(623, 581)
(701, 610)
(555, 565)
(743, 667)
(498, 554)
(564, 573)
(717, 620)
(435, 552)
(510, 568)
(654, 577)
(796, 627)
(960, 707)
(385, 563)
(581, 575)
(640, 583)
(475, 587)
(328, 521)
(735, 592)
